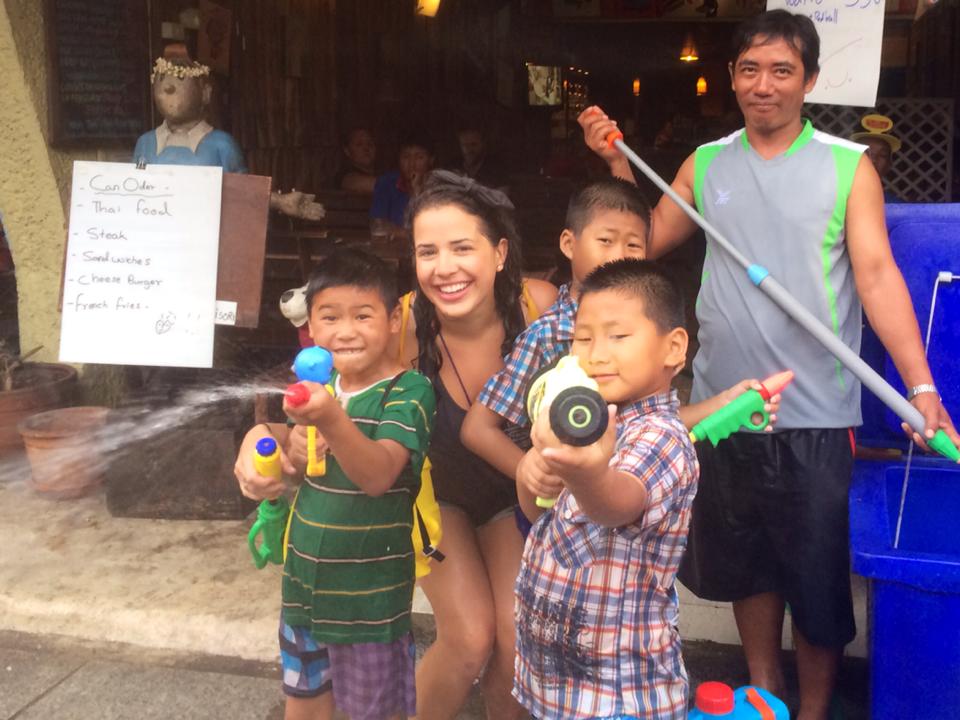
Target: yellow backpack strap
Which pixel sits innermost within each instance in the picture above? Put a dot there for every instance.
(405, 303)
(532, 311)
(426, 511)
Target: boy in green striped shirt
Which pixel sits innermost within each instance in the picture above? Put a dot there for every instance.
(349, 571)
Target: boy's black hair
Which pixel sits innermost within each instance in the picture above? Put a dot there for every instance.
(355, 268)
(798, 31)
(643, 279)
(608, 193)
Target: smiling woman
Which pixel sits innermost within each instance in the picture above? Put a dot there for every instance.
(471, 305)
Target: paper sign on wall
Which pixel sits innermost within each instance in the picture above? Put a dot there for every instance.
(141, 271)
(851, 36)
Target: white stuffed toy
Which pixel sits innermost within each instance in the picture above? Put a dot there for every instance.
(293, 306)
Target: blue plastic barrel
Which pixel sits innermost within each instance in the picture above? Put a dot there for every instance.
(925, 240)
(914, 622)
(717, 701)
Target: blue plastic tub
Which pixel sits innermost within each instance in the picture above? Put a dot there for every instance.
(914, 590)
(925, 239)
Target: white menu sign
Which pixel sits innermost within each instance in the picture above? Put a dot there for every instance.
(851, 36)
(141, 269)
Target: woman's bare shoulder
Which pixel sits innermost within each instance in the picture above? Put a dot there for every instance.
(544, 294)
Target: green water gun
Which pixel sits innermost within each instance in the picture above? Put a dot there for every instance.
(746, 410)
(272, 515)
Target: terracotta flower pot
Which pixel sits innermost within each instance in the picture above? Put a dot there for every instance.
(36, 387)
(60, 447)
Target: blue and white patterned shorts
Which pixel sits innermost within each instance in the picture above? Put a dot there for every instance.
(370, 681)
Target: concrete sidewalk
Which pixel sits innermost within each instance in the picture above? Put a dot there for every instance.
(59, 678)
(45, 677)
(104, 617)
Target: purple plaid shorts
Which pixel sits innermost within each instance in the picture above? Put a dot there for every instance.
(370, 681)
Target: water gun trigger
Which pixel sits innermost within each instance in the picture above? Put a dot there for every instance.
(316, 464)
(757, 421)
(260, 553)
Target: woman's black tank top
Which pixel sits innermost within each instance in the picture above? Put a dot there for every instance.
(461, 478)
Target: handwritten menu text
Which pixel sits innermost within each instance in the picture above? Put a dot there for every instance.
(141, 267)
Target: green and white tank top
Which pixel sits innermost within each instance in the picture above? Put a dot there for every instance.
(787, 214)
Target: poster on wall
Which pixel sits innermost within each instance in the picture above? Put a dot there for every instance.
(141, 265)
(851, 37)
(544, 85)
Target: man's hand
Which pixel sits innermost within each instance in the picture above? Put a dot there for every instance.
(935, 418)
(597, 126)
(534, 475)
(576, 465)
(318, 410)
(417, 182)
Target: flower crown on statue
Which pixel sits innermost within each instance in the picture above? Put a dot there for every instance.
(178, 69)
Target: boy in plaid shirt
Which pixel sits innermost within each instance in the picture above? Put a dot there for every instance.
(596, 608)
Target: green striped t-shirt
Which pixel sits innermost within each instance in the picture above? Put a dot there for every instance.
(349, 573)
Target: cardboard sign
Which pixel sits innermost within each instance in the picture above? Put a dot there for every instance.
(141, 265)
(851, 37)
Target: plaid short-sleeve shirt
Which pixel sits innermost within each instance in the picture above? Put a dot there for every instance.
(596, 608)
(547, 339)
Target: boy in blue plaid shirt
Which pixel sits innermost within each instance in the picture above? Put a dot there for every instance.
(607, 220)
(596, 609)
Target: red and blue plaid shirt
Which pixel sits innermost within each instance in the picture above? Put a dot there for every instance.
(596, 608)
(546, 340)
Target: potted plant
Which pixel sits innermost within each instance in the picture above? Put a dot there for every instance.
(27, 388)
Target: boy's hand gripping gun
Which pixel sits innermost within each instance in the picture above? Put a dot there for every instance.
(745, 410)
(314, 364)
(578, 414)
(271, 514)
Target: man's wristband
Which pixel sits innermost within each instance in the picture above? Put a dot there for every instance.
(920, 389)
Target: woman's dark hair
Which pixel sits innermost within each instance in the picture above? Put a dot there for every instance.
(798, 31)
(495, 213)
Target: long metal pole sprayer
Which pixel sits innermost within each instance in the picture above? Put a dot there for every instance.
(760, 277)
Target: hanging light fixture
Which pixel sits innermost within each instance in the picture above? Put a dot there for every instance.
(701, 86)
(636, 87)
(428, 8)
(688, 53)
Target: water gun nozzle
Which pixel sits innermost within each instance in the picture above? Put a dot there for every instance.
(297, 394)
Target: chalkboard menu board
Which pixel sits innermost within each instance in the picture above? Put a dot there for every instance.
(99, 68)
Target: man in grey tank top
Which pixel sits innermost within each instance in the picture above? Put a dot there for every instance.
(770, 518)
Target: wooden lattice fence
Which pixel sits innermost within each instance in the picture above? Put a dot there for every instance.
(922, 171)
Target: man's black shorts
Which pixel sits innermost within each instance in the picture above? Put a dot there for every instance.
(771, 516)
